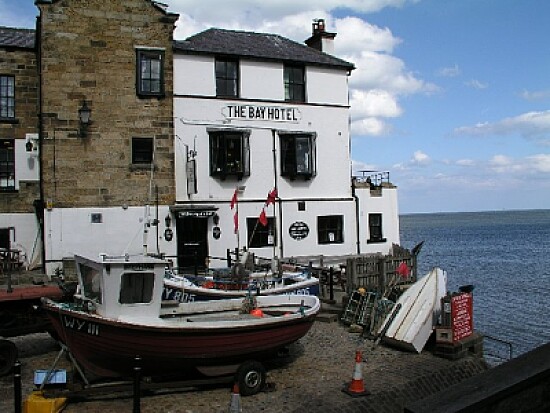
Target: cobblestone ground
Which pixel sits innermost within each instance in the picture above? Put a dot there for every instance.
(309, 379)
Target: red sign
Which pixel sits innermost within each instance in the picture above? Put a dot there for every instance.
(462, 316)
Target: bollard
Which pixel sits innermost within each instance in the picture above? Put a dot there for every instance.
(331, 284)
(137, 380)
(17, 387)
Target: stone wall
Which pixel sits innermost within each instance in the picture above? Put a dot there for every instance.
(89, 54)
(22, 64)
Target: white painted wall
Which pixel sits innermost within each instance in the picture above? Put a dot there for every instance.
(326, 86)
(69, 231)
(261, 80)
(27, 167)
(26, 235)
(194, 75)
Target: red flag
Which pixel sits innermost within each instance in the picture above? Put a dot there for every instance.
(263, 218)
(271, 196)
(403, 270)
(233, 200)
(236, 221)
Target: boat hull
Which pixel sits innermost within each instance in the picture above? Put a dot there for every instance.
(108, 348)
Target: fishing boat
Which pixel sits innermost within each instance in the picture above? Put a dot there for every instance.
(224, 283)
(119, 314)
(418, 310)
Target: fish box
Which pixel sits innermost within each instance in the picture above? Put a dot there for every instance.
(37, 403)
(58, 376)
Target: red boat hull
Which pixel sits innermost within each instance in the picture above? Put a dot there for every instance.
(108, 349)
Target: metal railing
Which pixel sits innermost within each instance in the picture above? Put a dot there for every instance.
(492, 353)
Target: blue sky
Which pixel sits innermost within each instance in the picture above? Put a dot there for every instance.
(451, 97)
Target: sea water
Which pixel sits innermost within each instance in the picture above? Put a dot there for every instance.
(505, 255)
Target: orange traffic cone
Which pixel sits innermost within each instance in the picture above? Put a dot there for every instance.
(356, 387)
(235, 404)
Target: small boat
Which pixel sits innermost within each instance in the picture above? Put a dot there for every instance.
(222, 285)
(418, 309)
(118, 315)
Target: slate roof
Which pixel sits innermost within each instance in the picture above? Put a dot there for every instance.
(10, 37)
(261, 46)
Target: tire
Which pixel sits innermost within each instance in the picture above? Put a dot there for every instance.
(251, 377)
(8, 356)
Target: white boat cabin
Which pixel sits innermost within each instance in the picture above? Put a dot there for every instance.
(121, 287)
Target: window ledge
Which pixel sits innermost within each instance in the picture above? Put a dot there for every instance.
(142, 167)
(9, 120)
(376, 241)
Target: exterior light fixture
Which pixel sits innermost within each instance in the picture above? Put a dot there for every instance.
(29, 146)
(168, 221)
(84, 116)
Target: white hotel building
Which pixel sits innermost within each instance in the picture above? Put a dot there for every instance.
(254, 112)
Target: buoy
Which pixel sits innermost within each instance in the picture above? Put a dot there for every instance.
(235, 403)
(356, 387)
(257, 312)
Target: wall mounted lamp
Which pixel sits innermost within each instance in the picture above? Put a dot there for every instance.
(84, 116)
(168, 220)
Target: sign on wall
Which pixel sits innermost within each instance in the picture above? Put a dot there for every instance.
(298, 230)
(263, 113)
(461, 316)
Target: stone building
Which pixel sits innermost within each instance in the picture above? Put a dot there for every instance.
(19, 187)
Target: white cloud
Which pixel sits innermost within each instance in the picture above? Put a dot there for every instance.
(535, 95)
(370, 127)
(420, 158)
(534, 125)
(476, 84)
(465, 162)
(540, 162)
(451, 71)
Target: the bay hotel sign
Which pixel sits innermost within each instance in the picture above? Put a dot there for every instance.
(263, 113)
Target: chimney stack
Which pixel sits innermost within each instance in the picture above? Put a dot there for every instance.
(320, 38)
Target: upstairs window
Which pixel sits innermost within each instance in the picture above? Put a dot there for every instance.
(260, 235)
(297, 155)
(7, 165)
(330, 229)
(375, 229)
(150, 73)
(295, 83)
(7, 97)
(142, 151)
(229, 154)
(227, 78)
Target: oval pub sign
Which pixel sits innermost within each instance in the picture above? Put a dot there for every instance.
(298, 230)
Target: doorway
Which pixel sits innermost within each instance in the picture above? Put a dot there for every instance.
(192, 244)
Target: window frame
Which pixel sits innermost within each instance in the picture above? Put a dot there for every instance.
(289, 149)
(149, 56)
(294, 79)
(376, 234)
(136, 288)
(138, 151)
(7, 97)
(327, 224)
(218, 151)
(258, 235)
(7, 165)
(227, 81)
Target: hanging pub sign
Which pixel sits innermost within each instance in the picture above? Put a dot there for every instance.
(298, 230)
(195, 214)
(190, 172)
(263, 113)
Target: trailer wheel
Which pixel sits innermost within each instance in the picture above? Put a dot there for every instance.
(251, 377)
(8, 355)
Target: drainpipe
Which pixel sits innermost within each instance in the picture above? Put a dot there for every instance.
(39, 206)
(279, 225)
(357, 226)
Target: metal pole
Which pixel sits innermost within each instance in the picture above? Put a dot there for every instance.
(137, 379)
(17, 387)
(331, 283)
